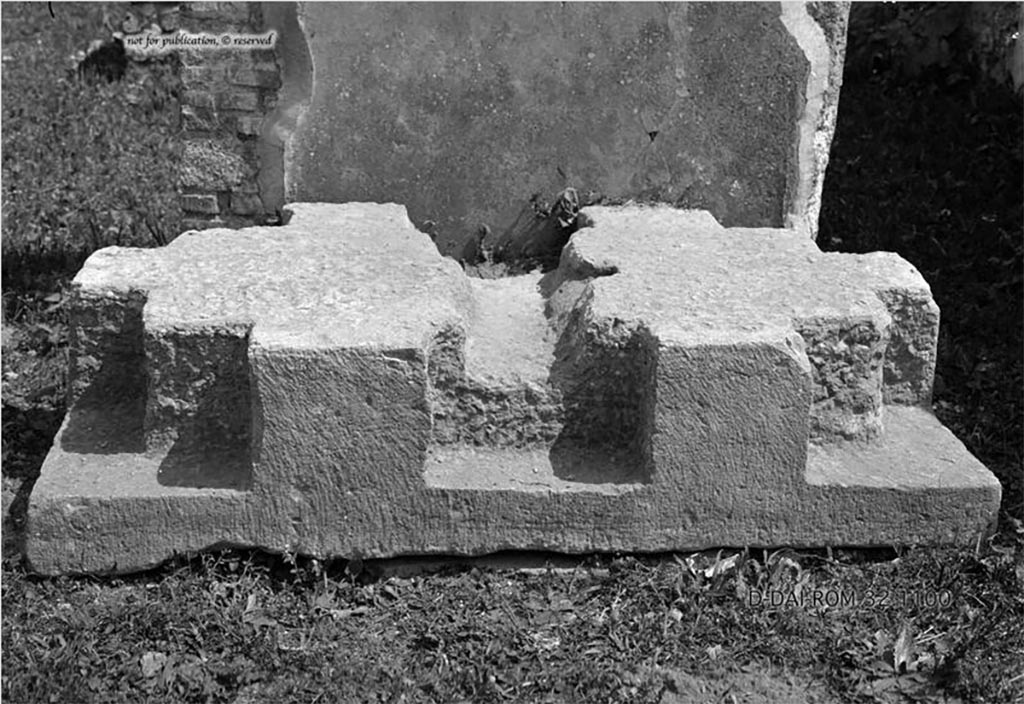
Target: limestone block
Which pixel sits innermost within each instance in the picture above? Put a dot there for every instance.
(469, 113)
(338, 388)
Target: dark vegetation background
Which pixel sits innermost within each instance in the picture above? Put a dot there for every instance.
(927, 162)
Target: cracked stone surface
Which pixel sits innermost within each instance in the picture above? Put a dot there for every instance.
(337, 388)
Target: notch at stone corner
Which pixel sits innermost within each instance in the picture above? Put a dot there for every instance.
(340, 433)
(867, 324)
(188, 359)
(166, 339)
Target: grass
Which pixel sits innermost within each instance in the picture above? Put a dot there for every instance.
(82, 168)
(222, 626)
(929, 167)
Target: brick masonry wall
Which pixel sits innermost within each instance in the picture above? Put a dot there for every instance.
(138, 17)
(226, 93)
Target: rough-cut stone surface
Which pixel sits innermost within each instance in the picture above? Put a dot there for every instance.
(336, 387)
(476, 115)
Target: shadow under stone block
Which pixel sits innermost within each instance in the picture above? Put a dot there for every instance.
(107, 375)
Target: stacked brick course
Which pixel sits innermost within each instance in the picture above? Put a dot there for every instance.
(137, 17)
(226, 95)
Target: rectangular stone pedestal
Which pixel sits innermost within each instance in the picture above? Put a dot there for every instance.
(337, 388)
